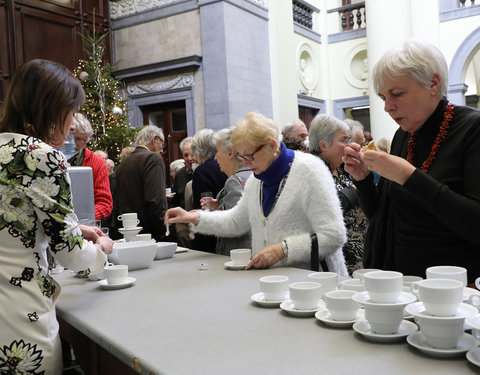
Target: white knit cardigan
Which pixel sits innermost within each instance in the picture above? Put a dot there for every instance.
(308, 203)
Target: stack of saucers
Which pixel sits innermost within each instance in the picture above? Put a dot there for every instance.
(384, 302)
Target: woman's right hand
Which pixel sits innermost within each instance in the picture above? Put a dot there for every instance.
(179, 215)
(354, 164)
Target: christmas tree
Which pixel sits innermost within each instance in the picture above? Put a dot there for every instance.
(104, 107)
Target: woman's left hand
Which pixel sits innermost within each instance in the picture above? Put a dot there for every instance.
(267, 257)
(91, 233)
(391, 167)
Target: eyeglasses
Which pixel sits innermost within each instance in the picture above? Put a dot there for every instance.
(249, 157)
(80, 139)
(346, 141)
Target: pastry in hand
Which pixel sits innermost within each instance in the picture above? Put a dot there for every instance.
(370, 146)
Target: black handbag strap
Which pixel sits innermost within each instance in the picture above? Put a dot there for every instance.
(314, 261)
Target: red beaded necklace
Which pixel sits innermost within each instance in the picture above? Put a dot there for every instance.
(442, 134)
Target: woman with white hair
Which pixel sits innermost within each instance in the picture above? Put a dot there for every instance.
(84, 157)
(328, 137)
(207, 177)
(229, 196)
(425, 209)
(290, 197)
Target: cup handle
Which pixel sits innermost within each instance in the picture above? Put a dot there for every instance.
(138, 221)
(120, 217)
(477, 282)
(474, 301)
(414, 287)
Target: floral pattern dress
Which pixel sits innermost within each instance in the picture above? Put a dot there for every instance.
(356, 224)
(36, 213)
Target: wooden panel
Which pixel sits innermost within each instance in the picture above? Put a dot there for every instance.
(99, 7)
(40, 34)
(66, 7)
(5, 63)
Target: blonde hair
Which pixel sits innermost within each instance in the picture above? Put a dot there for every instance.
(256, 130)
(82, 125)
(384, 144)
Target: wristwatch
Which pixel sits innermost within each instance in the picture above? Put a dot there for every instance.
(285, 248)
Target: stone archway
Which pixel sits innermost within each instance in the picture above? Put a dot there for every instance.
(460, 61)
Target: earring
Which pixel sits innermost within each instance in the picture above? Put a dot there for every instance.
(52, 129)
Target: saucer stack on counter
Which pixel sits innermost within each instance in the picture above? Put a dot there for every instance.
(432, 315)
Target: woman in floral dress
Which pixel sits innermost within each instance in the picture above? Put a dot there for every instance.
(328, 137)
(36, 213)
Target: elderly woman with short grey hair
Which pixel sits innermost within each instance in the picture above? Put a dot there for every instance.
(231, 192)
(207, 178)
(328, 138)
(425, 209)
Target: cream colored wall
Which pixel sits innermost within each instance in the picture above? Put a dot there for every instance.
(171, 38)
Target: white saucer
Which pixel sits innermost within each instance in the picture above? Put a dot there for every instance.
(124, 230)
(405, 329)
(464, 311)
(404, 298)
(473, 356)
(467, 342)
(128, 282)
(324, 316)
(468, 292)
(229, 265)
(288, 306)
(180, 250)
(260, 300)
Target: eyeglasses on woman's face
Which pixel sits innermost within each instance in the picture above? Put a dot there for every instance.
(249, 157)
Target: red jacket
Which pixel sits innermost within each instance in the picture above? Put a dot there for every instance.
(101, 185)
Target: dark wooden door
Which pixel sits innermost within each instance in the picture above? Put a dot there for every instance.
(171, 117)
(307, 114)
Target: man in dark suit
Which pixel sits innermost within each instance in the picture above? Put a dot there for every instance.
(141, 183)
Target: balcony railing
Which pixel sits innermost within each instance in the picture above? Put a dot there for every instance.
(351, 16)
(302, 13)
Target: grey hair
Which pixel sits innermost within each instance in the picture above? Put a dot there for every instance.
(224, 138)
(203, 144)
(82, 124)
(146, 135)
(417, 58)
(323, 128)
(352, 124)
(290, 127)
(184, 142)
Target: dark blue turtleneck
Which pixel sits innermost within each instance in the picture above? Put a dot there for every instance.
(272, 177)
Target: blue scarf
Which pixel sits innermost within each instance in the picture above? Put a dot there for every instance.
(272, 177)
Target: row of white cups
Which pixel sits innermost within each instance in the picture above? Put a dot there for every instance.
(379, 302)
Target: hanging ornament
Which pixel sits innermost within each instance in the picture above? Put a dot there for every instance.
(83, 76)
(117, 111)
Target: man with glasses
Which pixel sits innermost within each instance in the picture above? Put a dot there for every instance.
(141, 183)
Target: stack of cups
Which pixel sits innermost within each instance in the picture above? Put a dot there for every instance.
(440, 314)
(129, 220)
(384, 301)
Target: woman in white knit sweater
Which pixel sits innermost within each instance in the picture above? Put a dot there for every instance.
(290, 197)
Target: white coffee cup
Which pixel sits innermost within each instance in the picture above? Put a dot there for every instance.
(305, 295)
(441, 297)
(128, 216)
(383, 286)
(341, 305)
(358, 274)
(408, 280)
(115, 274)
(143, 237)
(448, 272)
(352, 284)
(274, 287)
(384, 319)
(240, 257)
(130, 224)
(441, 333)
(328, 280)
